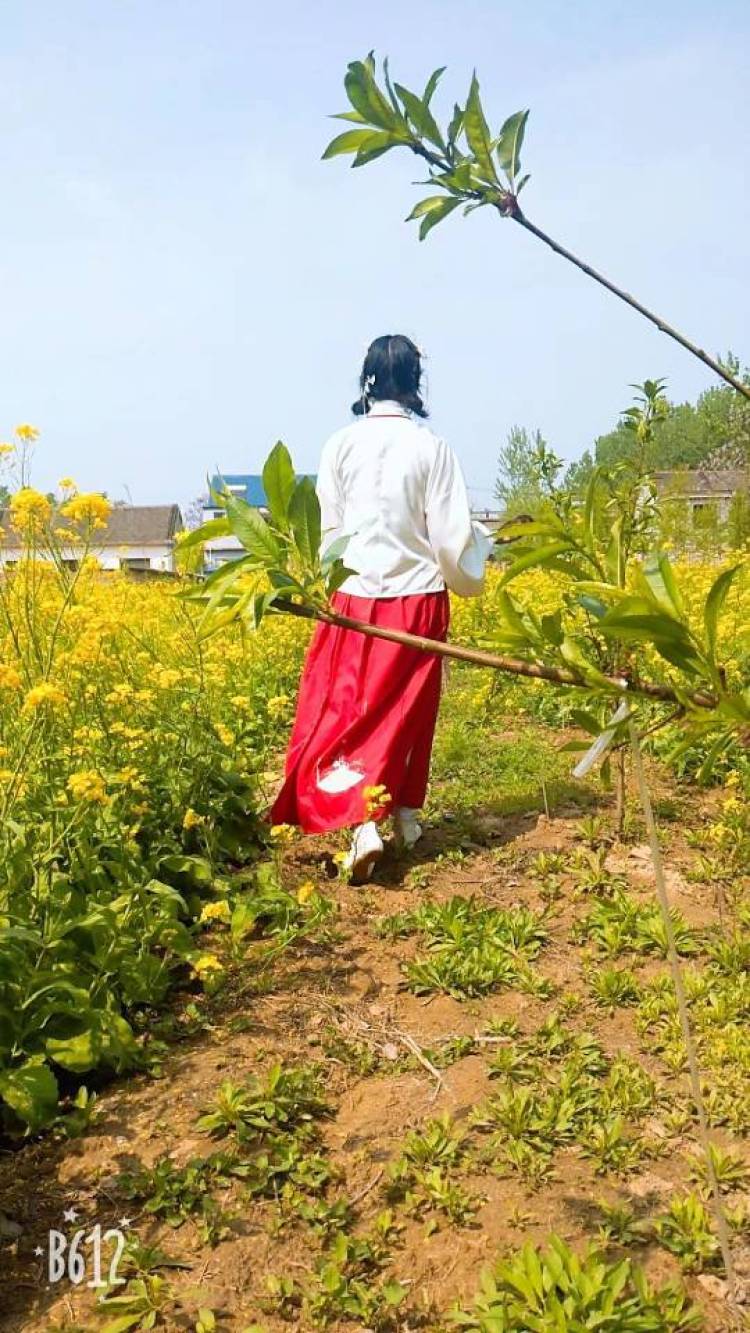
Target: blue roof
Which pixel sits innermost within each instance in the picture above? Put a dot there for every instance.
(247, 485)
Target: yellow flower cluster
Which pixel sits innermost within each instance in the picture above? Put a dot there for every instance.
(10, 678)
(376, 800)
(282, 834)
(44, 695)
(27, 433)
(216, 912)
(88, 785)
(88, 508)
(29, 510)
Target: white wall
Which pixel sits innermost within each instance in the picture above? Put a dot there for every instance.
(159, 557)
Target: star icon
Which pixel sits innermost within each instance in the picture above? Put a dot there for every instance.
(70, 1215)
(39, 1252)
(125, 1222)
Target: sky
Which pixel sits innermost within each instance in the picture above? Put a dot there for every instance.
(184, 281)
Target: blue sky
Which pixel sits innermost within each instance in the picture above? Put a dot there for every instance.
(184, 281)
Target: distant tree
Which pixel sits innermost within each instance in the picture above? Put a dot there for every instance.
(520, 483)
(715, 431)
(579, 472)
(193, 514)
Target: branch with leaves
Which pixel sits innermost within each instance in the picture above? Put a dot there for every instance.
(468, 164)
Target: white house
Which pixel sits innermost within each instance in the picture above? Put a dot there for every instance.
(136, 537)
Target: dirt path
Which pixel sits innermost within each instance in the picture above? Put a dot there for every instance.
(391, 1061)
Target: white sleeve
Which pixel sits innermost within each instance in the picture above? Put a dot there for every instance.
(329, 498)
(460, 546)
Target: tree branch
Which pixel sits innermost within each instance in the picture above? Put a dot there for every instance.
(660, 323)
(514, 666)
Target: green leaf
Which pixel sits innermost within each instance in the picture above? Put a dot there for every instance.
(393, 1292)
(436, 214)
(214, 527)
(477, 132)
(378, 142)
(714, 603)
(456, 125)
(420, 116)
(257, 604)
(592, 605)
(122, 1323)
(432, 84)
(659, 575)
(535, 528)
(339, 573)
(252, 530)
(354, 116)
(78, 1053)
(586, 721)
(349, 142)
(540, 555)
(366, 97)
(709, 763)
(31, 1091)
(426, 206)
(615, 557)
(509, 143)
(278, 483)
(304, 517)
(652, 627)
(391, 94)
(590, 511)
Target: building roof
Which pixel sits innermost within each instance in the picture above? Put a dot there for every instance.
(127, 525)
(702, 482)
(246, 485)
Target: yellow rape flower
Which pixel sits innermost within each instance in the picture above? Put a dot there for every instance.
(207, 962)
(192, 819)
(278, 705)
(281, 833)
(225, 735)
(90, 509)
(216, 912)
(67, 484)
(375, 799)
(6, 448)
(29, 509)
(88, 785)
(44, 695)
(10, 679)
(27, 432)
(305, 891)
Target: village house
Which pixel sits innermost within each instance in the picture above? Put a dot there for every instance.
(702, 488)
(140, 538)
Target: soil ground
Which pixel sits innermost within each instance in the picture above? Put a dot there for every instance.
(342, 1003)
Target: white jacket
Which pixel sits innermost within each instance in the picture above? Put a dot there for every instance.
(396, 490)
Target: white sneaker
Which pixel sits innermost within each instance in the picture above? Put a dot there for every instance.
(408, 829)
(364, 853)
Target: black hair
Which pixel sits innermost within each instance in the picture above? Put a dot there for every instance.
(392, 372)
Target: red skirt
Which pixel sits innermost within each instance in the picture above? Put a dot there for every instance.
(366, 715)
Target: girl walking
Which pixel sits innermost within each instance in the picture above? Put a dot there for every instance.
(362, 738)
